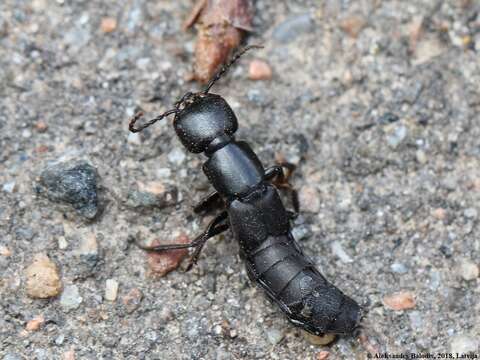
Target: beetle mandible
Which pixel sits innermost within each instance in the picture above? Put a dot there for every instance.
(254, 212)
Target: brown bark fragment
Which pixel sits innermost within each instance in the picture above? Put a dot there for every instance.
(221, 27)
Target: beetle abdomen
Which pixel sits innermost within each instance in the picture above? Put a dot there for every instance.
(291, 280)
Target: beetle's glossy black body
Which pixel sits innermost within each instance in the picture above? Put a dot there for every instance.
(258, 220)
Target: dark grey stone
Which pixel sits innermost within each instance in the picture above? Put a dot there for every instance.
(73, 183)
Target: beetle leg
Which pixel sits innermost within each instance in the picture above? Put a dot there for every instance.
(210, 202)
(196, 253)
(216, 226)
(279, 178)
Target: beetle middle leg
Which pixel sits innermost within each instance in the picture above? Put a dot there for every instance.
(215, 227)
(280, 178)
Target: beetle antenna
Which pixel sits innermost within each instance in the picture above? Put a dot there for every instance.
(138, 115)
(216, 77)
(226, 66)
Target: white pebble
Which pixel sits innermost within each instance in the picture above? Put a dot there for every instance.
(176, 156)
(274, 336)
(399, 268)
(9, 187)
(111, 289)
(62, 243)
(471, 213)
(70, 298)
(134, 138)
(164, 173)
(397, 136)
(467, 270)
(464, 344)
(415, 319)
(421, 156)
(338, 250)
(26, 133)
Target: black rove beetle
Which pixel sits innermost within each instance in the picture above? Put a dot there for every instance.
(254, 212)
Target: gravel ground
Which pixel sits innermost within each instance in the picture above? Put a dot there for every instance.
(376, 101)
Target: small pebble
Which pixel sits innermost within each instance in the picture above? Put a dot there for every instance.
(41, 126)
(111, 289)
(435, 279)
(152, 195)
(4, 251)
(88, 249)
(217, 330)
(274, 336)
(41, 149)
(176, 156)
(464, 343)
(467, 270)
(338, 250)
(470, 213)
(69, 355)
(309, 198)
(108, 24)
(318, 340)
(13, 356)
(353, 25)
(60, 339)
(301, 232)
(322, 355)
(257, 96)
(162, 263)
(415, 319)
(401, 300)
(35, 323)
(450, 183)
(397, 136)
(399, 268)
(259, 70)
(9, 187)
(26, 133)
(134, 138)
(62, 243)
(164, 173)
(166, 314)
(132, 300)
(154, 187)
(25, 233)
(70, 298)
(421, 157)
(439, 214)
(42, 278)
(292, 27)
